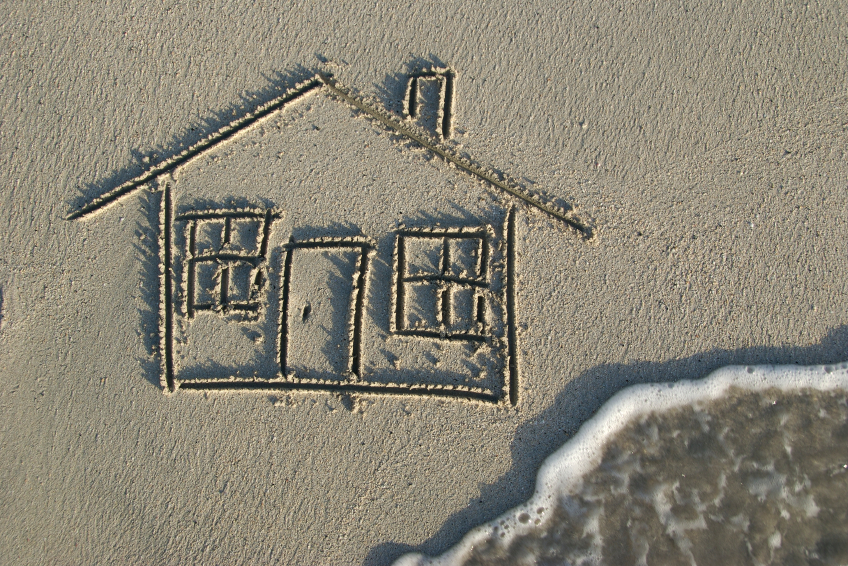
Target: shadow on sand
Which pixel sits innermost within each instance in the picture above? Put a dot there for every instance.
(576, 403)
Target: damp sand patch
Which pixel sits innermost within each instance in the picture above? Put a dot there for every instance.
(746, 466)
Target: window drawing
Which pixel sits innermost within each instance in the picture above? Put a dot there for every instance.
(225, 260)
(442, 284)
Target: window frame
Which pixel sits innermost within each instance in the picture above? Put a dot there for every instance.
(226, 259)
(446, 284)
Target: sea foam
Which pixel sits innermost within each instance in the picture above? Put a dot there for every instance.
(748, 465)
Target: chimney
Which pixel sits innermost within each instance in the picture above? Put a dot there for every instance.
(429, 100)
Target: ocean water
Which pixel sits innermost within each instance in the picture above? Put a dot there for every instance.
(746, 466)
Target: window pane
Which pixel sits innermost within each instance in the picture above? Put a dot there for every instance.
(207, 283)
(423, 256)
(210, 236)
(464, 255)
(241, 282)
(245, 235)
(463, 310)
(422, 305)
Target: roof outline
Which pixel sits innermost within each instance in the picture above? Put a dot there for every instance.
(323, 81)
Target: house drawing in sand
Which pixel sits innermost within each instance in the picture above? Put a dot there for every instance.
(321, 243)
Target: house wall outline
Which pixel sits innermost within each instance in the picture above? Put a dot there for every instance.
(160, 177)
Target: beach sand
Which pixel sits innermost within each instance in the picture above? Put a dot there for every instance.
(702, 145)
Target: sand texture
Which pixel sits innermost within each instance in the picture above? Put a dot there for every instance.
(327, 283)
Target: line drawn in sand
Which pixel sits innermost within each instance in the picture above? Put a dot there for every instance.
(300, 307)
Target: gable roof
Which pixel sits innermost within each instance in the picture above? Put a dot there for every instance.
(323, 82)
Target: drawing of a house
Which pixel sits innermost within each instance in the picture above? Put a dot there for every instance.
(404, 284)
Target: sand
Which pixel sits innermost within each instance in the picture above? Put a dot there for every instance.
(703, 145)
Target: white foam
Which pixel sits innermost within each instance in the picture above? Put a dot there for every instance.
(564, 470)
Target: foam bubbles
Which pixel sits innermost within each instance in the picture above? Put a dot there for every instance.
(749, 461)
